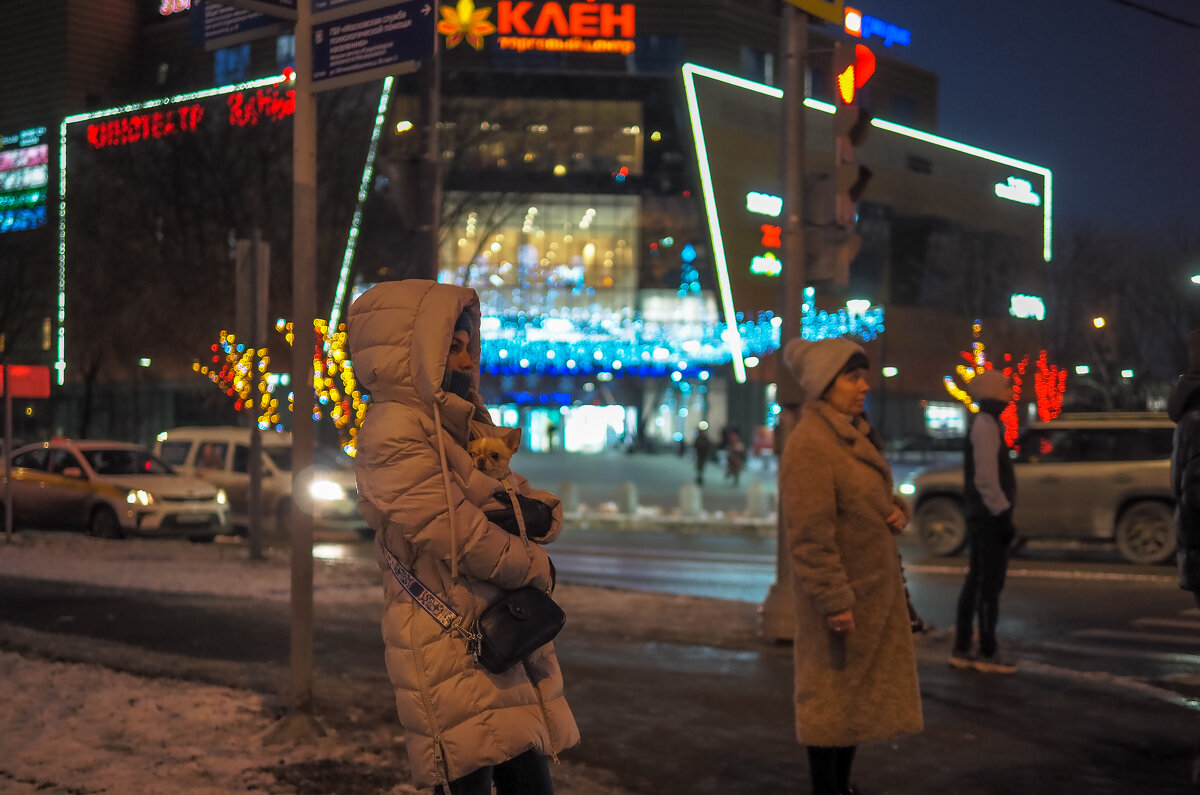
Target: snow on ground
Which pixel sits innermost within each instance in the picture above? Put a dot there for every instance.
(78, 729)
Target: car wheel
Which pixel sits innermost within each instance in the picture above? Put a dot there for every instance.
(1146, 533)
(205, 539)
(104, 523)
(941, 525)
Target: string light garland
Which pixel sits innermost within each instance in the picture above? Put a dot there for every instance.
(617, 343)
(1049, 383)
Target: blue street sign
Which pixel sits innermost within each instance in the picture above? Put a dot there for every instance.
(386, 41)
(217, 26)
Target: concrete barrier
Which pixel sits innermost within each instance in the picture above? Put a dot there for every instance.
(568, 492)
(627, 499)
(689, 500)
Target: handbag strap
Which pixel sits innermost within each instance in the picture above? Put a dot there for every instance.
(430, 602)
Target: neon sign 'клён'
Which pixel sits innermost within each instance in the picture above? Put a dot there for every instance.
(577, 19)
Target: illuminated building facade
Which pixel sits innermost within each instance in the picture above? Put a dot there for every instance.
(573, 203)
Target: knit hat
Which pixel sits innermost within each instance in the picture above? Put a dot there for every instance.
(989, 385)
(464, 322)
(817, 364)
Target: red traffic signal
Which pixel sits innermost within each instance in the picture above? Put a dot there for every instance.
(853, 72)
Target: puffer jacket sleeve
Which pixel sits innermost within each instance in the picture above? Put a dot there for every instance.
(810, 515)
(403, 481)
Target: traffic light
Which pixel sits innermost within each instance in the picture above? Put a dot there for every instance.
(853, 67)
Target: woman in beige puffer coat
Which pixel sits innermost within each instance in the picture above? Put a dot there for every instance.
(856, 673)
(415, 347)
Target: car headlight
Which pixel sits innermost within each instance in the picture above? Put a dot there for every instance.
(139, 497)
(907, 489)
(326, 491)
(221, 497)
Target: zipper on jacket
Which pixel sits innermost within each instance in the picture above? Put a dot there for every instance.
(442, 762)
(545, 718)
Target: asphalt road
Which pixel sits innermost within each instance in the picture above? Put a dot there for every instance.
(686, 717)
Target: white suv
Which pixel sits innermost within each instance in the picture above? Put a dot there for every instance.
(1099, 477)
(221, 455)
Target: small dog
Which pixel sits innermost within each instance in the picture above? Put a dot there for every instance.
(492, 454)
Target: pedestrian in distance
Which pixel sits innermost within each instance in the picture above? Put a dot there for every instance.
(989, 491)
(735, 457)
(855, 666)
(1183, 407)
(703, 449)
(416, 347)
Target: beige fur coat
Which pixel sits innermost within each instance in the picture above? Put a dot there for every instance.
(836, 493)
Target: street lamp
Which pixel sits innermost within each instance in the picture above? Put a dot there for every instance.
(1098, 322)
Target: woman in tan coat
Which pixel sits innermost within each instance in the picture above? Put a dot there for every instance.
(856, 673)
(415, 347)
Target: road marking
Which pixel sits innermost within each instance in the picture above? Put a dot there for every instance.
(1050, 574)
(1179, 658)
(1167, 623)
(1141, 637)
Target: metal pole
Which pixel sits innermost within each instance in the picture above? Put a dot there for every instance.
(254, 466)
(299, 723)
(8, 432)
(777, 615)
(430, 212)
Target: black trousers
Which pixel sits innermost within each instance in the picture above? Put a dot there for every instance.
(829, 768)
(988, 539)
(526, 774)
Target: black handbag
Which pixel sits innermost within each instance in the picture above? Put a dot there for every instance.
(512, 628)
(506, 632)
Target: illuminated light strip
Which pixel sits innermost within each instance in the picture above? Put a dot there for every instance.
(61, 363)
(1047, 214)
(339, 294)
(690, 71)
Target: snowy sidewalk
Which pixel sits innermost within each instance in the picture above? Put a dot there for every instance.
(75, 728)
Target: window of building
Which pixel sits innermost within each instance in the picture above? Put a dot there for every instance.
(549, 251)
(550, 136)
(232, 64)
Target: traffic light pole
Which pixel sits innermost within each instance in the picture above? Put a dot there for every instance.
(777, 615)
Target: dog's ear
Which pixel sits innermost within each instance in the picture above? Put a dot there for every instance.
(512, 438)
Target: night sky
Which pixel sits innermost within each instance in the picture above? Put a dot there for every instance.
(1105, 95)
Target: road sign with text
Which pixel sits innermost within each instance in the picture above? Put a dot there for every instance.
(828, 10)
(216, 25)
(367, 46)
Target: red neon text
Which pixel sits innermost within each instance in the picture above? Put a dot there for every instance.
(247, 110)
(159, 124)
(578, 19)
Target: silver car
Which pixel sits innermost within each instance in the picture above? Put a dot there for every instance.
(111, 489)
(1092, 477)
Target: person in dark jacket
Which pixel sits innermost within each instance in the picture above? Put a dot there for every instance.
(989, 489)
(1183, 407)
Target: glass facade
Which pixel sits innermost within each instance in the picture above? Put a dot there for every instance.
(544, 251)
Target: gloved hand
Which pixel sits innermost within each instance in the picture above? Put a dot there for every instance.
(538, 516)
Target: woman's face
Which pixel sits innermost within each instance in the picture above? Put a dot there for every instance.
(460, 355)
(848, 392)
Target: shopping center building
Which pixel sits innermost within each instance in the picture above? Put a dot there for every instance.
(593, 154)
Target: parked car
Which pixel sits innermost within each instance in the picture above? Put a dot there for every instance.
(1094, 477)
(111, 489)
(221, 455)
